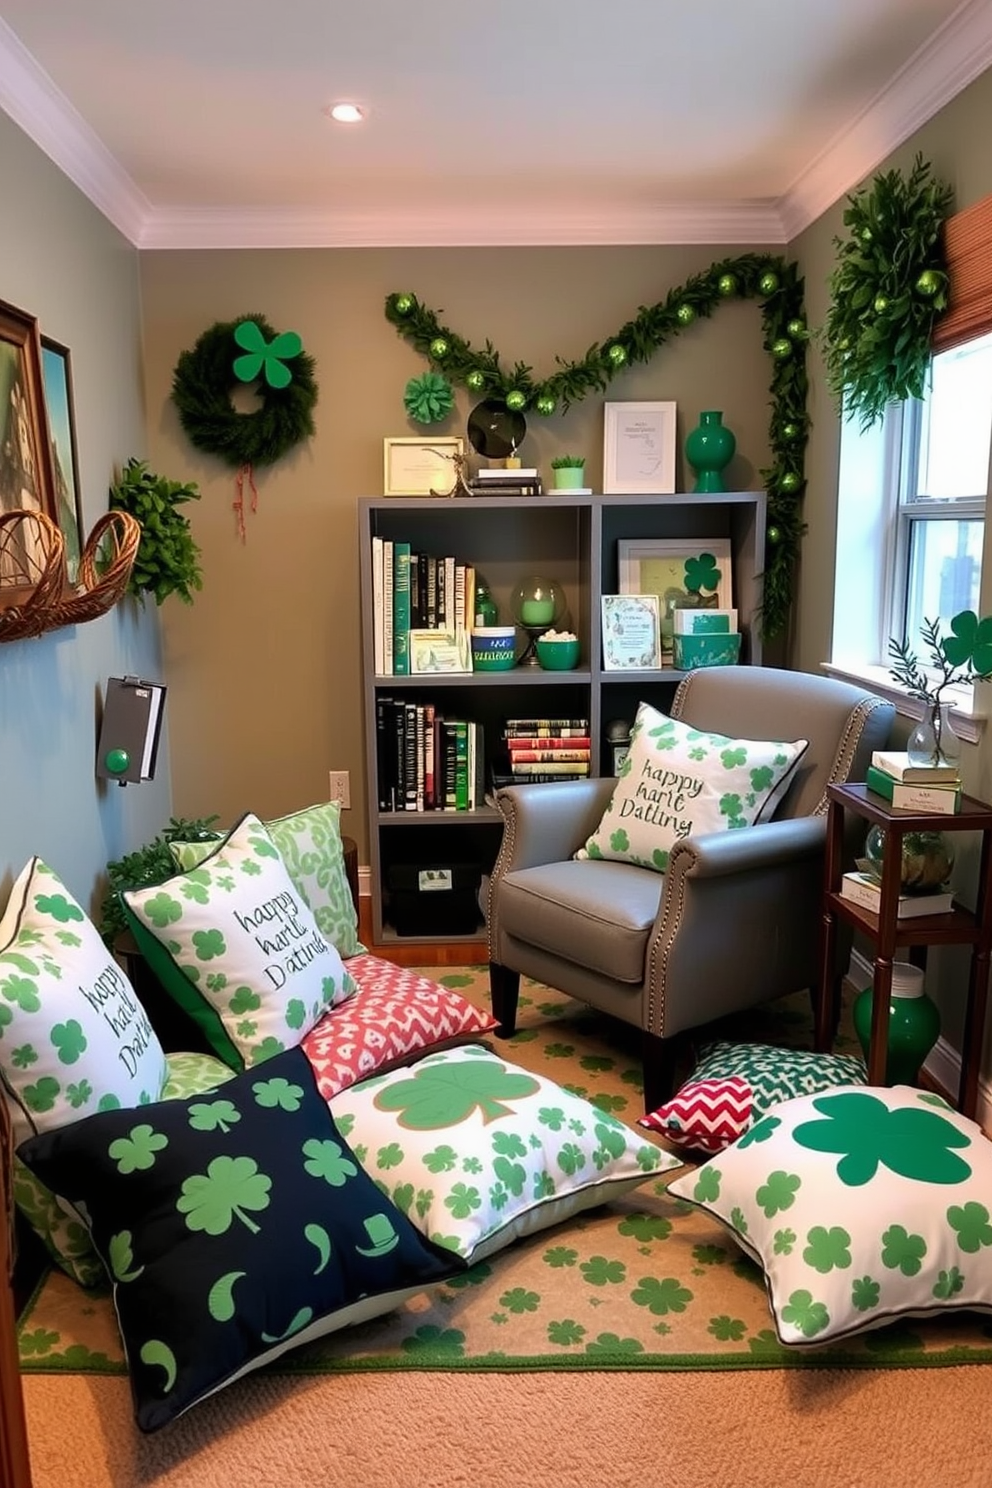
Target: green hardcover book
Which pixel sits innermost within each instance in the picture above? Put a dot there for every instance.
(945, 800)
(401, 609)
(461, 765)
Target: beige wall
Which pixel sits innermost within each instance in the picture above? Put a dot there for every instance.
(264, 675)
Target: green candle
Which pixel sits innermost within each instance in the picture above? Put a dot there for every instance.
(537, 611)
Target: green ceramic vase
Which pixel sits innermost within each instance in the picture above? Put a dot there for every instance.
(709, 448)
(914, 1024)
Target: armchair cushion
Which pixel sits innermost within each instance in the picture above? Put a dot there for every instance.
(679, 781)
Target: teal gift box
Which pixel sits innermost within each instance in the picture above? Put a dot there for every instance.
(705, 650)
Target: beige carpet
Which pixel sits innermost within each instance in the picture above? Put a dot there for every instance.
(737, 1420)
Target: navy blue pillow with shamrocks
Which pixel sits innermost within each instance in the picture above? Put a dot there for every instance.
(233, 1225)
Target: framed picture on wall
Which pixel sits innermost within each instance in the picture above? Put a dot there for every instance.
(26, 482)
(639, 449)
(420, 467)
(57, 378)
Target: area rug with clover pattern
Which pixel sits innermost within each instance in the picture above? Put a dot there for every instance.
(644, 1283)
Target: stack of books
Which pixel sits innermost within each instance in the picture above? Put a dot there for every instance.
(909, 787)
(539, 750)
(500, 482)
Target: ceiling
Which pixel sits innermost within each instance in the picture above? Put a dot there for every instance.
(528, 121)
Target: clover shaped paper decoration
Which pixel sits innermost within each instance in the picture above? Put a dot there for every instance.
(265, 358)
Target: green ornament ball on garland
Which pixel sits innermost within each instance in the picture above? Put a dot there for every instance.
(617, 354)
(204, 378)
(774, 535)
(797, 329)
(768, 283)
(685, 315)
(790, 481)
(516, 400)
(429, 398)
(546, 405)
(881, 304)
(726, 285)
(929, 282)
(782, 348)
(475, 380)
(439, 348)
(403, 303)
(790, 431)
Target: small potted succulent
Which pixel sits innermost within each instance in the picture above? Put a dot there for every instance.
(569, 472)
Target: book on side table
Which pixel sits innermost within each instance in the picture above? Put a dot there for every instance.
(862, 889)
(943, 797)
(896, 763)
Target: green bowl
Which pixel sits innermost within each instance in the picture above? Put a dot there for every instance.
(558, 656)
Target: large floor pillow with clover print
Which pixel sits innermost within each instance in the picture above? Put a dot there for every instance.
(310, 844)
(59, 1228)
(861, 1204)
(733, 1085)
(677, 782)
(236, 945)
(394, 1017)
(235, 1226)
(480, 1152)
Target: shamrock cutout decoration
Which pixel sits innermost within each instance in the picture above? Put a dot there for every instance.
(971, 643)
(265, 357)
(701, 573)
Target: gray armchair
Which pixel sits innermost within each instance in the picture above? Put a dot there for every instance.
(735, 919)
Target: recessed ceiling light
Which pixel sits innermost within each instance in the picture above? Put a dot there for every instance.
(346, 113)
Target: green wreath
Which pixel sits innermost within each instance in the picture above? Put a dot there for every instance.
(237, 351)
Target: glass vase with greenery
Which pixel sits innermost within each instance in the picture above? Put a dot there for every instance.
(961, 658)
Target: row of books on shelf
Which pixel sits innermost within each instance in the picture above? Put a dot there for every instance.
(427, 762)
(414, 592)
(909, 787)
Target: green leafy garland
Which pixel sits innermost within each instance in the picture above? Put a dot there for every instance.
(888, 288)
(771, 280)
(204, 377)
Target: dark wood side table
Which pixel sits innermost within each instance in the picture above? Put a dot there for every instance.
(959, 927)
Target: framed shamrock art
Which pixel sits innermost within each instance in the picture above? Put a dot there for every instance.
(684, 573)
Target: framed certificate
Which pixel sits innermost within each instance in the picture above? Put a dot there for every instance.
(639, 449)
(631, 633)
(420, 467)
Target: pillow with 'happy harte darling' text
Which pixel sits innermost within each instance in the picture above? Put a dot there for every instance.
(678, 781)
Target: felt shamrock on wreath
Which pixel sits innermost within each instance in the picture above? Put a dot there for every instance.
(227, 354)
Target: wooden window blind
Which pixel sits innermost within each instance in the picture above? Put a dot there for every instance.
(968, 245)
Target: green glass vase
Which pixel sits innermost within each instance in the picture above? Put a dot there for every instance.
(709, 448)
(914, 1024)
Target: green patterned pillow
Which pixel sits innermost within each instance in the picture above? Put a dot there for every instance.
(309, 842)
(237, 947)
(57, 1225)
(861, 1204)
(480, 1152)
(677, 782)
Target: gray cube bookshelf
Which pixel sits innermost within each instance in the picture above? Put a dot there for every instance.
(572, 539)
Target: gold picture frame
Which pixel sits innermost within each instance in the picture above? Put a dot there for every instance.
(421, 466)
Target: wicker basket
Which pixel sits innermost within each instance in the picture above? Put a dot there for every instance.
(32, 573)
(34, 593)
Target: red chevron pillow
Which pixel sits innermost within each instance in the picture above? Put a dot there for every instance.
(708, 1114)
(733, 1085)
(395, 1016)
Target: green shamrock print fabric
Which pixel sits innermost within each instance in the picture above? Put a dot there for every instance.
(234, 1224)
(478, 1151)
(236, 944)
(73, 1036)
(677, 782)
(861, 1205)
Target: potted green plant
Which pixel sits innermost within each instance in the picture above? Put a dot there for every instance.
(151, 864)
(569, 472)
(168, 560)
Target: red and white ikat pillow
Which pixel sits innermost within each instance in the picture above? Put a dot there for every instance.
(396, 1014)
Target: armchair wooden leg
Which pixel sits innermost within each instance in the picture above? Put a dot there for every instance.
(659, 1059)
(504, 989)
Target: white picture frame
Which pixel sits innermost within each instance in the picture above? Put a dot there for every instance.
(658, 566)
(439, 652)
(420, 466)
(631, 633)
(639, 449)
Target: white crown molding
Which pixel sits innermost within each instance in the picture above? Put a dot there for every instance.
(955, 56)
(957, 53)
(463, 227)
(47, 117)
